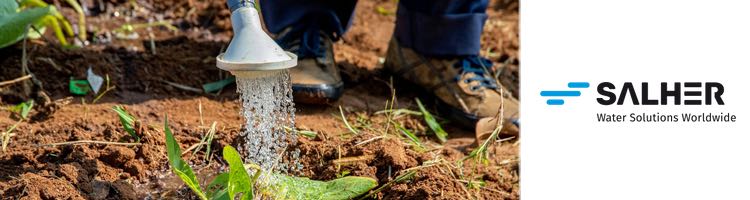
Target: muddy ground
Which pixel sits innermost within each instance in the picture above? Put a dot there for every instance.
(144, 82)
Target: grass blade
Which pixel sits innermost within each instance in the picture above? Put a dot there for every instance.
(413, 138)
(239, 181)
(217, 189)
(348, 126)
(127, 121)
(179, 166)
(432, 123)
(23, 109)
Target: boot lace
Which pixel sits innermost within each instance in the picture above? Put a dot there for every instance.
(478, 66)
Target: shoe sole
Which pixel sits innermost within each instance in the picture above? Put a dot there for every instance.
(317, 94)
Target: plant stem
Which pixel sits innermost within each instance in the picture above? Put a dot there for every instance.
(81, 19)
(347, 122)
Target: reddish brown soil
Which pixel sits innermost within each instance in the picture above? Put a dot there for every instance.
(29, 169)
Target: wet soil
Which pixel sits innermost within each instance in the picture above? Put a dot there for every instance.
(152, 87)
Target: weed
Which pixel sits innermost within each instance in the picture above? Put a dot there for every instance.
(412, 138)
(22, 110)
(206, 140)
(432, 123)
(128, 122)
(348, 126)
(306, 133)
(179, 166)
(237, 181)
(408, 175)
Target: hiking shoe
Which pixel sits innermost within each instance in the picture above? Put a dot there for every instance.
(462, 86)
(315, 79)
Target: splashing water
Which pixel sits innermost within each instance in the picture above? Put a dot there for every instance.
(268, 108)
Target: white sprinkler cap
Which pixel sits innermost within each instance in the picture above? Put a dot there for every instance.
(251, 49)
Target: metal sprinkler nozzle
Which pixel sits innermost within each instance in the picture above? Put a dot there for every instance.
(251, 52)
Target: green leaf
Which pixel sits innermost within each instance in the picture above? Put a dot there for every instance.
(432, 123)
(217, 189)
(8, 7)
(239, 180)
(413, 138)
(304, 188)
(23, 109)
(79, 87)
(179, 166)
(127, 121)
(13, 24)
(216, 86)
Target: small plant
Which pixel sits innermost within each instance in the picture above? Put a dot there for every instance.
(412, 138)
(15, 20)
(432, 123)
(346, 122)
(22, 111)
(128, 122)
(239, 182)
(206, 141)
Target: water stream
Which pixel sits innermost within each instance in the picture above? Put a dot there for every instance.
(269, 113)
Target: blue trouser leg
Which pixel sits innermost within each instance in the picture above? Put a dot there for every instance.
(441, 27)
(332, 16)
(433, 28)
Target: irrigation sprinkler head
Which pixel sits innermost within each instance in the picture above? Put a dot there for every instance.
(252, 53)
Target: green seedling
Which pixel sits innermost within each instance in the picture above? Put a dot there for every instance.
(22, 110)
(179, 166)
(412, 138)
(127, 121)
(480, 153)
(432, 123)
(306, 133)
(408, 175)
(15, 19)
(239, 182)
(207, 140)
(346, 122)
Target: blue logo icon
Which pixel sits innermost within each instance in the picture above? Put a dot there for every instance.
(564, 93)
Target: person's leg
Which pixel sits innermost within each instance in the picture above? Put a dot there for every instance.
(436, 46)
(308, 29)
(332, 16)
(441, 27)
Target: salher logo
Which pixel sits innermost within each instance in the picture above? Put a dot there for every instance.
(674, 93)
(564, 93)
